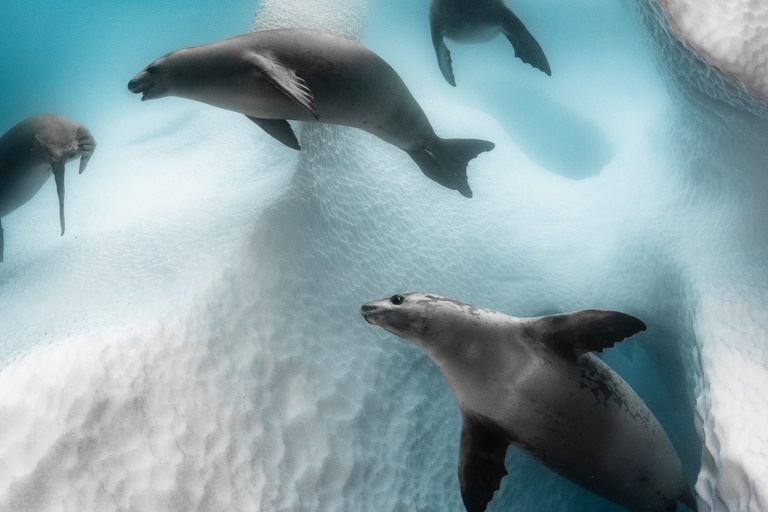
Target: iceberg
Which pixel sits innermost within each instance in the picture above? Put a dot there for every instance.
(194, 341)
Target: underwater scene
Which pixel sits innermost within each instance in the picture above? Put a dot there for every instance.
(384, 255)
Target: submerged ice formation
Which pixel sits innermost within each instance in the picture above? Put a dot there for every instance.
(732, 35)
(218, 360)
(716, 142)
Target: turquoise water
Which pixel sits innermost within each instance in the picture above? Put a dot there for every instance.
(199, 320)
(76, 57)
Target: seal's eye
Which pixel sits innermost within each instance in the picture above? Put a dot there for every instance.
(397, 300)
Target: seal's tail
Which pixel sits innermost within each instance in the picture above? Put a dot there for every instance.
(445, 160)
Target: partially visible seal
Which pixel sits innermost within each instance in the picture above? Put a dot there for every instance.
(475, 21)
(532, 382)
(30, 150)
(310, 75)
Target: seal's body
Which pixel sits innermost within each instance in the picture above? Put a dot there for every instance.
(477, 21)
(31, 151)
(532, 382)
(310, 75)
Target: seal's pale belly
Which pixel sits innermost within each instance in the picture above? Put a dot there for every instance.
(255, 98)
(359, 105)
(472, 33)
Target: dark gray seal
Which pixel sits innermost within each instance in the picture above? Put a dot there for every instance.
(30, 150)
(476, 21)
(532, 382)
(310, 75)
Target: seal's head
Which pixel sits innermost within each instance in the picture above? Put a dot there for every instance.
(425, 319)
(60, 140)
(395, 314)
(199, 73)
(154, 81)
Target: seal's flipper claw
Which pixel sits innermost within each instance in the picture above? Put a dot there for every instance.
(86, 144)
(481, 461)
(526, 47)
(287, 81)
(58, 174)
(280, 129)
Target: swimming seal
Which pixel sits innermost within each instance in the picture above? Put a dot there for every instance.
(310, 75)
(476, 21)
(532, 382)
(30, 150)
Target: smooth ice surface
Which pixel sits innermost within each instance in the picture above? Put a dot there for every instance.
(194, 341)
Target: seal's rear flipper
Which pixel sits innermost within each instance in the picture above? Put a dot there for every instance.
(279, 129)
(445, 161)
(580, 332)
(441, 50)
(526, 47)
(481, 461)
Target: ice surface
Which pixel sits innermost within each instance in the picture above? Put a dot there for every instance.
(732, 35)
(716, 142)
(194, 342)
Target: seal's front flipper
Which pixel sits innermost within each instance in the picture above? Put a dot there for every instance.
(445, 160)
(481, 461)
(58, 174)
(580, 332)
(279, 129)
(441, 50)
(526, 47)
(286, 81)
(86, 144)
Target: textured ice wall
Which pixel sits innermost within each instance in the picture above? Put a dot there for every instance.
(219, 362)
(716, 145)
(114, 407)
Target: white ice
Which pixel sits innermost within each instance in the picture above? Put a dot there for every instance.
(194, 341)
(732, 35)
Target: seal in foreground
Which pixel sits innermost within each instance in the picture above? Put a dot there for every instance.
(532, 382)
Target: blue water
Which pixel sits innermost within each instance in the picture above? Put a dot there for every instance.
(75, 58)
(572, 210)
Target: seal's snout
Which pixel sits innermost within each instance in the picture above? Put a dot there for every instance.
(142, 84)
(369, 312)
